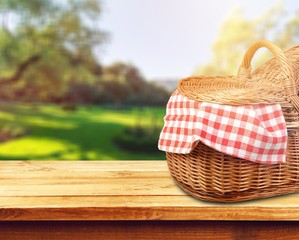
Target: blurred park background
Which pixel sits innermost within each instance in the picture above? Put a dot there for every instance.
(90, 79)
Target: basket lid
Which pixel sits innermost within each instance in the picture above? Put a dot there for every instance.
(273, 82)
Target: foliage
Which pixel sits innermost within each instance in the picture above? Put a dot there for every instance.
(238, 32)
(124, 84)
(9, 132)
(54, 40)
(143, 136)
(138, 139)
(47, 54)
(86, 134)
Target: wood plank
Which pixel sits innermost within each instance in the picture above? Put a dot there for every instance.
(104, 190)
(60, 174)
(94, 178)
(90, 166)
(148, 213)
(287, 201)
(124, 230)
(101, 186)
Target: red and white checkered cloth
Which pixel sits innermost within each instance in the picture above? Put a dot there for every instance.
(253, 132)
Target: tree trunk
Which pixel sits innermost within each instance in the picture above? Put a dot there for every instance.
(20, 70)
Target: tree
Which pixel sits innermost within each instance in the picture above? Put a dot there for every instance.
(45, 44)
(47, 53)
(123, 83)
(238, 32)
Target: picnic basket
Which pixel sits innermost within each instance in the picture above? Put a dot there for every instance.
(210, 175)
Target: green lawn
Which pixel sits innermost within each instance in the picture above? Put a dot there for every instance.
(85, 134)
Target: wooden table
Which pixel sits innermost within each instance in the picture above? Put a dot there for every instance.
(126, 200)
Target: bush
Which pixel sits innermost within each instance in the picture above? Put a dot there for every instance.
(9, 132)
(69, 106)
(138, 139)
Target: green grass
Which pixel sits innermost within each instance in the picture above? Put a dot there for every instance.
(85, 134)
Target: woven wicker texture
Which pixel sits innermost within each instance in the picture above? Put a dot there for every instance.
(210, 175)
(265, 85)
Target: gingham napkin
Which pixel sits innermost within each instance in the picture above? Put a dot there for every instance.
(253, 132)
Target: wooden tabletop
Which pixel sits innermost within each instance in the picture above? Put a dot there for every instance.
(117, 190)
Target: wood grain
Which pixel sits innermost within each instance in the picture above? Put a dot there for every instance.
(117, 190)
(148, 230)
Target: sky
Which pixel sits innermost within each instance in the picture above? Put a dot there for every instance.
(168, 39)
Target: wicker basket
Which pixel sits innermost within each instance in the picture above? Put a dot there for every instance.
(210, 175)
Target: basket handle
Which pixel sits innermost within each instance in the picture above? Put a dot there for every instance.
(290, 85)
